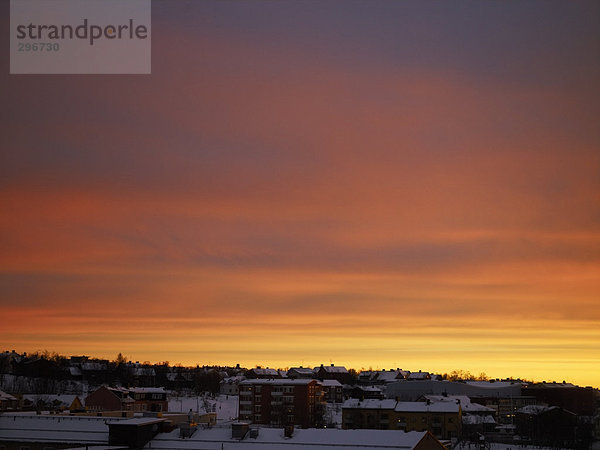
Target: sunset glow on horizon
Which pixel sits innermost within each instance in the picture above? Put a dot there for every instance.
(370, 184)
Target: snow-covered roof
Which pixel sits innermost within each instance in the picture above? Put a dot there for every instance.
(75, 371)
(332, 369)
(354, 403)
(136, 421)
(493, 384)
(473, 419)
(534, 410)
(313, 439)
(331, 383)
(147, 390)
(54, 428)
(235, 380)
(418, 376)
(143, 372)
(388, 376)
(266, 372)
(6, 397)
(278, 381)
(62, 399)
(303, 370)
(441, 407)
(369, 389)
(465, 403)
(93, 366)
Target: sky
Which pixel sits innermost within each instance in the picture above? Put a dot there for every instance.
(378, 184)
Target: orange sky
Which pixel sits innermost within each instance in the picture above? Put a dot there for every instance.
(314, 187)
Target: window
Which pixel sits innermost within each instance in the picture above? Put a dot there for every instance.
(257, 408)
(258, 399)
(257, 389)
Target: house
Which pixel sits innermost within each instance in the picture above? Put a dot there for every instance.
(547, 425)
(332, 372)
(95, 371)
(179, 378)
(364, 392)
(261, 373)
(372, 414)
(381, 377)
(48, 402)
(281, 402)
(149, 399)
(109, 399)
(301, 372)
(141, 375)
(127, 399)
(8, 402)
(230, 385)
(419, 376)
(333, 391)
(76, 405)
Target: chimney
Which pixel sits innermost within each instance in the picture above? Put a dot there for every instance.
(331, 364)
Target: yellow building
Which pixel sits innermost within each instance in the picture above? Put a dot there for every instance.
(442, 419)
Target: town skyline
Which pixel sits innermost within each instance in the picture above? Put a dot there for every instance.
(450, 374)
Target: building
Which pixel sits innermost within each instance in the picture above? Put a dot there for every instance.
(280, 402)
(109, 399)
(579, 400)
(443, 419)
(301, 372)
(332, 372)
(8, 402)
(149, 399)
(333, 391)
(259, 372)
(476, 419)
(250, 438)
(371, 414)
(230, 385)
(127, 399)
(364, 392)
(419, 376)
(410, 391)
(547, 425)
(55, 432)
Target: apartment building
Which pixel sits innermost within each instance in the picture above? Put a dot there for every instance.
(280, 402)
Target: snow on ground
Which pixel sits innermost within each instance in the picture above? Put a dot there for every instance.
(497, 446)
(225, 406)
(333, 415)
